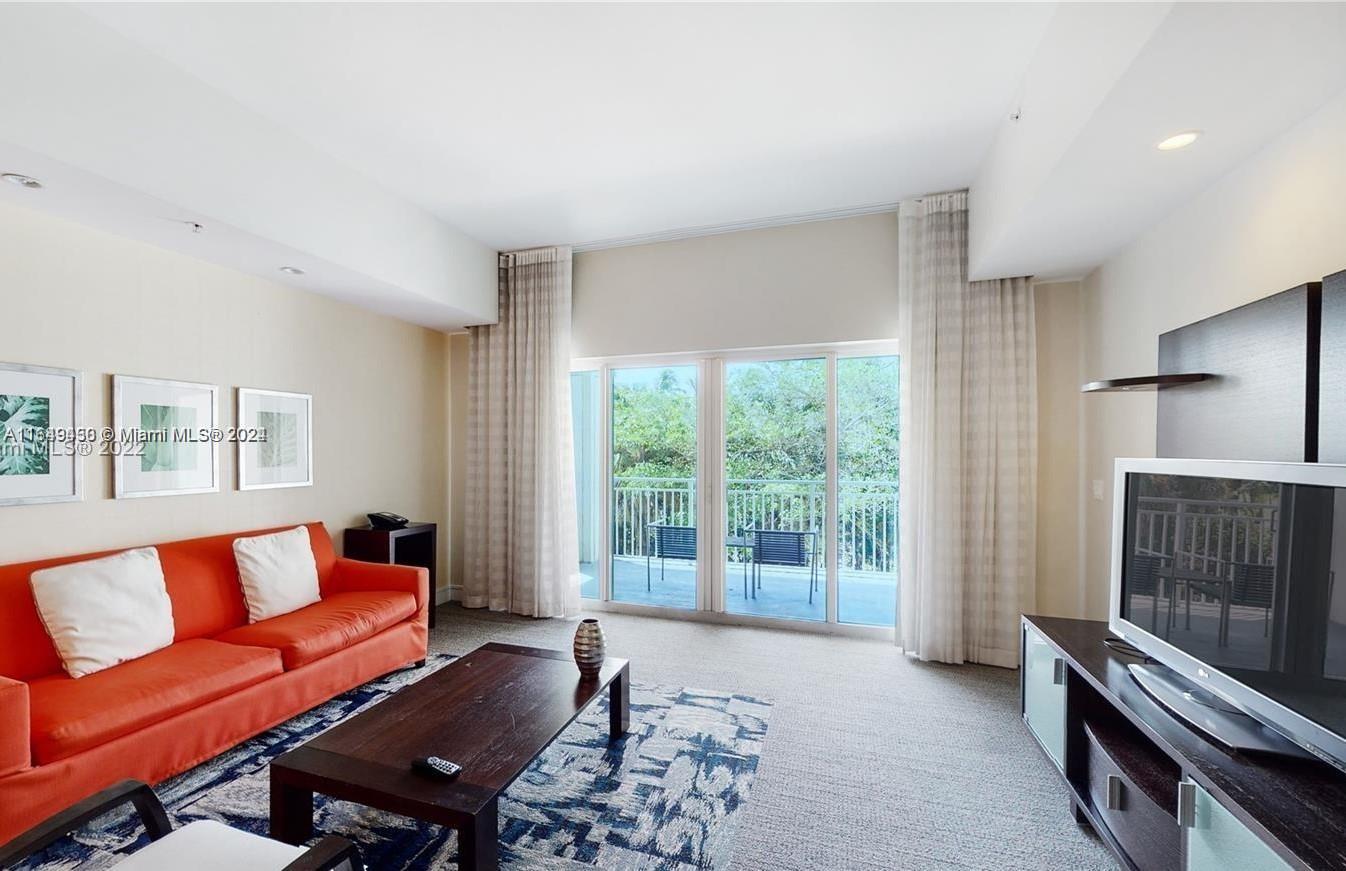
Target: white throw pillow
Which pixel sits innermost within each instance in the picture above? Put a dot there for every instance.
(278, 573)
(106, 611)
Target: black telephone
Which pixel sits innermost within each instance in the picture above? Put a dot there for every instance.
(387, 520)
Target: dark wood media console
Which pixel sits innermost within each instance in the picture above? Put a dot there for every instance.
(1160, 794)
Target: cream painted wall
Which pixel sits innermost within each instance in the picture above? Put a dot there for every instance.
(80, 299)
(1276, 221)
(1058, 309)
(456, 348)
(829, 281)
(825, 281)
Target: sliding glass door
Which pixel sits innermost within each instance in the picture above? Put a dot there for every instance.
(762, 486)
(654, 528)
(867, 427)
(775, 488)
(586, 418)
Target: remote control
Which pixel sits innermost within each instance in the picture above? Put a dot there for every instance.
(433, 765)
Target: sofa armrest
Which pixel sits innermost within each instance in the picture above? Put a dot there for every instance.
(352, 575)
(15, 724)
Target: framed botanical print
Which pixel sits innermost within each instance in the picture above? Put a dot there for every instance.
(275, 439)
(167, 437)
(39, 435)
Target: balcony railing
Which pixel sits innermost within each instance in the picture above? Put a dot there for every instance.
(1207, 535)
(867, 514)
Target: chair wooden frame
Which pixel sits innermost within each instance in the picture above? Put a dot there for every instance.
(328, 854)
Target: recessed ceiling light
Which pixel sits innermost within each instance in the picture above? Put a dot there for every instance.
(1179, 140)
(23, 181)
(292, 270)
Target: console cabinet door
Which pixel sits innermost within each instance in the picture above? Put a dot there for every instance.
(1217, 841)
(1044, 694)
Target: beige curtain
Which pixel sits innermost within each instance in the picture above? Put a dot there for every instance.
(521, 549)
(968, 474)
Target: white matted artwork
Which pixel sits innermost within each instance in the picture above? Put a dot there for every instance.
(275, 444)
(167, 437)
(39, 418)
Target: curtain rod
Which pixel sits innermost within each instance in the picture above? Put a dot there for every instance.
(937, 194)
(502, 256)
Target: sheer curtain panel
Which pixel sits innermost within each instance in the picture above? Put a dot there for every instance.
(968, 475)
(521, 548)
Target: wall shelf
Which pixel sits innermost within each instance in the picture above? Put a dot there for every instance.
(1144, 382)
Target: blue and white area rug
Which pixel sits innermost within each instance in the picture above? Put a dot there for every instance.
(668, 796)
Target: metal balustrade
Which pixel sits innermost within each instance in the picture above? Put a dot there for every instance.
(867, 518)
(1207, 535)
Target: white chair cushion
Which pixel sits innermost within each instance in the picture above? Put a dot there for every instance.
(277, 572)
(105, 611)
(206, 845)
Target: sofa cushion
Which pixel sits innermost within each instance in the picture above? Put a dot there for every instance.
(318, 630)
(277, 572)
(205, 845)
(103, 612)
(73, 715)
(201, 575)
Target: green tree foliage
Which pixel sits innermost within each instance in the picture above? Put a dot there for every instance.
(654, 423)
(1255, 493)
(867, 418)
(775, 431)
(775, 420)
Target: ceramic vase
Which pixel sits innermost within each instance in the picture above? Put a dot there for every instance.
(590, 648)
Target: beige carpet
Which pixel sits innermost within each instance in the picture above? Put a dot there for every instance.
(871, 761)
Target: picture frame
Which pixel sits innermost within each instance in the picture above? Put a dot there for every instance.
(41, 416)
(275, 439)
(167, 437)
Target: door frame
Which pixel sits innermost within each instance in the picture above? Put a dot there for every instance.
(710, 476)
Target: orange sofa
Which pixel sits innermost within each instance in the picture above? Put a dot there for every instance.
(222, 681)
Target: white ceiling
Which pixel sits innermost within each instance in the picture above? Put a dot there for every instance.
(1078, 177)
(129, 143)
(391, 149)
(526, 124)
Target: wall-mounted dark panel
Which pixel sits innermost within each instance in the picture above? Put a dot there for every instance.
(1332, 372)
(1264, 359)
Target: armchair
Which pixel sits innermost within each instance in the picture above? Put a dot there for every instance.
(204, 845)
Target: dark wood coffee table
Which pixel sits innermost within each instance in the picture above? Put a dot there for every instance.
(492, 712)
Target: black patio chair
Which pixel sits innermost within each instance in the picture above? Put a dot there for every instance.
(783, 547)
(668, 542)
(1145, 577)
(1255, 586)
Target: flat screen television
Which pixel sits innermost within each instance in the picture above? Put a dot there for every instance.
(1233, 575)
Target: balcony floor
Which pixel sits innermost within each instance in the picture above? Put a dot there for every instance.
(868, 598)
